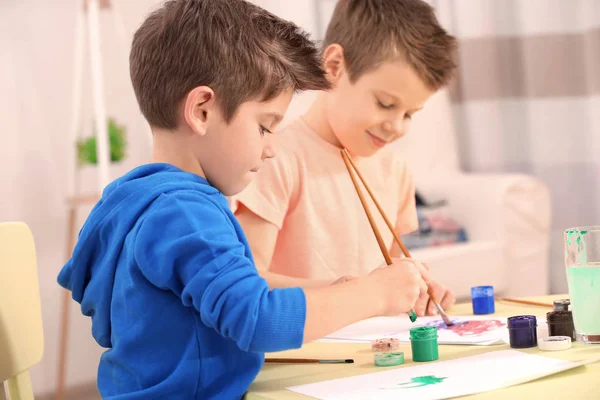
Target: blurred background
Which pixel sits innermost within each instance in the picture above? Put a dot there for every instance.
(522, 119)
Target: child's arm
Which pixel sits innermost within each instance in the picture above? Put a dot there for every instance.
(254, 228)
(278, 281)
(390, 290)
(262, 236)
(188, 247)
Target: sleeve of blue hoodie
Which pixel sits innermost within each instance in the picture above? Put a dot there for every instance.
(188, 244)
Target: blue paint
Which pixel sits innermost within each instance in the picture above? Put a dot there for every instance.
(522, 330)
(482, 298)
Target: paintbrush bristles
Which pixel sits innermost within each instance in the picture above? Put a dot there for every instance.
(445, 317)
(439, 307)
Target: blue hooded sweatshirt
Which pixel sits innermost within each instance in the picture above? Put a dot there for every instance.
(164, 270)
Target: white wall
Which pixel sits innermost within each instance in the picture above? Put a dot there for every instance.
(36, 50)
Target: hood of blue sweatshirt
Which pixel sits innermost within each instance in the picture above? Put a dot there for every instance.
(89, 274)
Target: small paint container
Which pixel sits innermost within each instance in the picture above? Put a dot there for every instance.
(424, 343)
(388, 359)
(385, 345)
(482, 298)
(560, 321)
(522, 331)
(555, 343)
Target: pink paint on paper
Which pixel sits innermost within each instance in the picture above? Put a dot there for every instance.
(469, 328)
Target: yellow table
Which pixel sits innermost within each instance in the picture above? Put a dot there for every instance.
(579, 383)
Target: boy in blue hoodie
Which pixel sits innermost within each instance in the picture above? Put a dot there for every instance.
(161, 265)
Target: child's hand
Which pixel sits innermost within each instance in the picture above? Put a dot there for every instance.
(398, 286)
(441, 293)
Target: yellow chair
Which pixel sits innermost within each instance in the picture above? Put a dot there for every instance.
(21, 332)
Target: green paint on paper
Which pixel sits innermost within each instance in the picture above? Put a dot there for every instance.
(421, 381)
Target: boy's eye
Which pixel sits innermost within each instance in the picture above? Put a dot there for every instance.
(263, 130)
(385, 106)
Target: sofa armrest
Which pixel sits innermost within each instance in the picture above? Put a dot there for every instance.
(484, 203)
(514, 209)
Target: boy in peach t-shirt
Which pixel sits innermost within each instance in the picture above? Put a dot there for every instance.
(302, 216)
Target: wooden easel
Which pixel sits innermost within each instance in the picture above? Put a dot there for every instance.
(87, 20)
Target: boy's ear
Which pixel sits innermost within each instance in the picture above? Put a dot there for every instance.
(334, 62)
(199, 103)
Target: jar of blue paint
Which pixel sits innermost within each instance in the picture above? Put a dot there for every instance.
(522, 331)
(482, 298)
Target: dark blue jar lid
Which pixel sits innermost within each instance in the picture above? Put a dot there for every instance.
(522, 321)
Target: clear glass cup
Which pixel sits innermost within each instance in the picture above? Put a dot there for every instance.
(582, 261)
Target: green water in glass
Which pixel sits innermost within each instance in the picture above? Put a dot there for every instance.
(584, 291)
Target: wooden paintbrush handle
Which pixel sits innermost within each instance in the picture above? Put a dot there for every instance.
(348, 159)
(363, 201)
(353, 168)
(527, 302)
(379, 208)
(386, 254)
(308, 361)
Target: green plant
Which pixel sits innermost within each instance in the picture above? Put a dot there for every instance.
(86, 149)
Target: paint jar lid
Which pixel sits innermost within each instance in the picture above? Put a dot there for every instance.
(522, 321)
(554, 343)
(388, 359)
(385, 344)
(561, 305)
(424, 333)
(482, 291)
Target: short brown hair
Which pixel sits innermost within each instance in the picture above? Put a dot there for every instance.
(238, 49)
(374, 31)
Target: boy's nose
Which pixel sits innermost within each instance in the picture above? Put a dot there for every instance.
(269, 146)
(395, 127)
(268, 151)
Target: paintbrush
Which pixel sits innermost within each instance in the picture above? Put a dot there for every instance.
(351, 169)
(308, 361)
(528, 302)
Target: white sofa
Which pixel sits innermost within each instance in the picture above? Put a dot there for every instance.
(507, 216)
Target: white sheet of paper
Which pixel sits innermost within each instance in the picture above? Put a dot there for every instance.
(441, 379)
(480, 330)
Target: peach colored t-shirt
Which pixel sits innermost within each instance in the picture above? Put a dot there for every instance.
(306, 192)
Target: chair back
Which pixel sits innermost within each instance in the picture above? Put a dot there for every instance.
(21, 331)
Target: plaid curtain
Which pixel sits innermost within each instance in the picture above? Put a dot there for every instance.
(527, 99)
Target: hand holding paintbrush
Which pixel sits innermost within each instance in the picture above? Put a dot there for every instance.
(351, 169)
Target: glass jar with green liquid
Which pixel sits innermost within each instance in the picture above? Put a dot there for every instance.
(582, 261)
